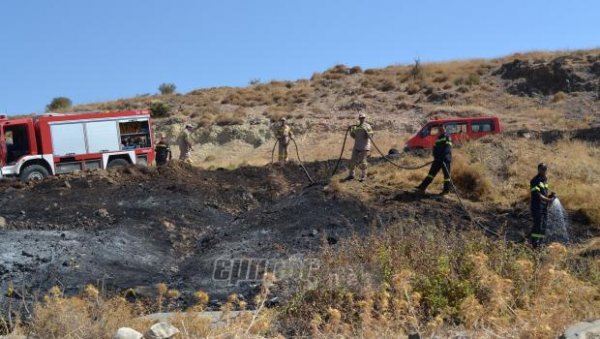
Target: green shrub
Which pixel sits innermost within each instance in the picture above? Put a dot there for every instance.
(59, 104)
(167, 88)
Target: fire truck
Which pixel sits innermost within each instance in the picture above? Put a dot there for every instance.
(32, 148)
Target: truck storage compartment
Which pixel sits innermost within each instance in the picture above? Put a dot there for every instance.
(134, 134)
(102, 136)
(68, 138)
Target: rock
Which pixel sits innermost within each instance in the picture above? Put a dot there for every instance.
(103, 213)
(161, 330)
(127, 333)
(13, 336)
(3, 223)
(585, 329)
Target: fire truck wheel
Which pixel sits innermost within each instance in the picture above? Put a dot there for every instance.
(117, 163)
(34, 173)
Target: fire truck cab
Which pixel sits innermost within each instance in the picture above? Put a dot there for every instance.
(33, 148)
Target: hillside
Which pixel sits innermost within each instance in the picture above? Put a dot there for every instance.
(538, 91)
(85, 254)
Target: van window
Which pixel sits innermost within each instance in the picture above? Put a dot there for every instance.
(482, 126)
(433, 130)
(456, 128)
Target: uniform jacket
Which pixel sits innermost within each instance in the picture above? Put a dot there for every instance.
(538, 185)
(442, 151)
(284, 134)
(361, 134)
(185, 142)
(163, 151)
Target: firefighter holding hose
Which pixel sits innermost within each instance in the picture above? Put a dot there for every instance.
(284, 134)
(541, 198)
(361, 133)
(442, 159)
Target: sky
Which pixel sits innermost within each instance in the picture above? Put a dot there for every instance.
(97, 50)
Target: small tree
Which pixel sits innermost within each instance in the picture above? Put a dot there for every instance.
(417, 71)
(166, 88)
(59, 104)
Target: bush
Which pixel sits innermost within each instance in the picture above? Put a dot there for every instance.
(167, 88)
(159, 110)
(385, 85)
(559, 96)
(470, 180)
(59, 104)
(413, 88)
(472, 79)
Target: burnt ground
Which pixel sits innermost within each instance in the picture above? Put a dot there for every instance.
(140, 226)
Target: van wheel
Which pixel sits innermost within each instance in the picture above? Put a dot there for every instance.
(34, 173)
(117, 163)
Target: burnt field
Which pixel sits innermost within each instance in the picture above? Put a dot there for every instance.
(134, 228)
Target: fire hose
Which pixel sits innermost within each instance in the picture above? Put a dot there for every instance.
(473, 220)
(463, 206)
(297, 155)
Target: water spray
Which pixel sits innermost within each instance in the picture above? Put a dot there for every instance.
(558, 225)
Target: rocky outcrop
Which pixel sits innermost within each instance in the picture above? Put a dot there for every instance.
(566, 74)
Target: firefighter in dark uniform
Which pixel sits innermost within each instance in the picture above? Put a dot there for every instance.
(541, 198)
(442, 159)
(163, 151)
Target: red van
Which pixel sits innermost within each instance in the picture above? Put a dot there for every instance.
(460, 130)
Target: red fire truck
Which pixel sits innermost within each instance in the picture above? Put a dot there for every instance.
(460, 130)
(33, 148)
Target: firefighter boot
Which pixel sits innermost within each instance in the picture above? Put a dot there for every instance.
(423, 186)
(363, 174)
(350, 176)
(446, 189)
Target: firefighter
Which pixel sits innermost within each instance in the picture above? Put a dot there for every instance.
(442, 159)
(540, 200)
(163, 151)
(361, 133)
(284, 134)
(185, 143)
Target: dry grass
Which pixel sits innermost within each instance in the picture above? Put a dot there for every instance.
(92, 316)
(408, 279)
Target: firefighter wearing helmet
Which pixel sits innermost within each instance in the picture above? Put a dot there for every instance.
(185, 143)
(541, 198)
(361, 133)
(284, 134)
